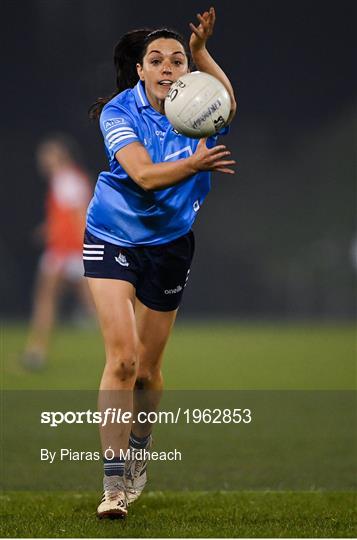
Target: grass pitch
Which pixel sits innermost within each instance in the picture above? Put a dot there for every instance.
(199, 356)
(215, 356)
(157, 514)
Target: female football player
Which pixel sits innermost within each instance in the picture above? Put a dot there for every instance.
(139, 245)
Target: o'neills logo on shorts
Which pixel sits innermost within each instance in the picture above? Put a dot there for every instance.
(173, 291)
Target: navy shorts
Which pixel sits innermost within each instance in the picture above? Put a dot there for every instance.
(158, 273)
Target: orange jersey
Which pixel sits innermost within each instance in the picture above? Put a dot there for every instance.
(66, 206)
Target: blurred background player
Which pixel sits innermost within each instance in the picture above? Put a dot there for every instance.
(69, 191)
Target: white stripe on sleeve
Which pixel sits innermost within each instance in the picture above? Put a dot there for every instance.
(113, 133)
(122, 134)
(122, 138)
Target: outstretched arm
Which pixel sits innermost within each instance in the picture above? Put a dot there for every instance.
(202, 58)
(137, 162)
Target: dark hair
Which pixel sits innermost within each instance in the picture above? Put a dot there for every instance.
(129, 51)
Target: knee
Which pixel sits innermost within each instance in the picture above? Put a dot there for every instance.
(122, 366)
(147, 376)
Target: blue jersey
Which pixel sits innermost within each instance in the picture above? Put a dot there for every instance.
(123, 213)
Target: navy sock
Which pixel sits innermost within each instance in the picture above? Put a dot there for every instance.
(113, 467)
(138, 442)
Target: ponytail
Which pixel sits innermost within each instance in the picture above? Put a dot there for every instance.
(127, 53)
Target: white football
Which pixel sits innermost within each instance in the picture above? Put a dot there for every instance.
(197, 105)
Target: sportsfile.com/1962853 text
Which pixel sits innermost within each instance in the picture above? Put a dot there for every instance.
(119, 416)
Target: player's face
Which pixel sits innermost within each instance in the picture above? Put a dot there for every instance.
(164, 62)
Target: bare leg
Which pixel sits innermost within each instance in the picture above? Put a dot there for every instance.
(114, 300)
(44, 311)
(85, 297)
(154, 329)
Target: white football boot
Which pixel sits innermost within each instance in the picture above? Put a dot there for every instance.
(135, 474)
(113, 504)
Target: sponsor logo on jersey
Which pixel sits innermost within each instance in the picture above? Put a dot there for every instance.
(121, 259)
(113, 122)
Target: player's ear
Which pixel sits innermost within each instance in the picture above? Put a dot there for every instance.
(139, 69)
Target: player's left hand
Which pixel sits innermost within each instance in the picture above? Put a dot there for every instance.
(203, 31)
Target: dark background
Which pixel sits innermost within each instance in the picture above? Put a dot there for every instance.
(272, 241)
